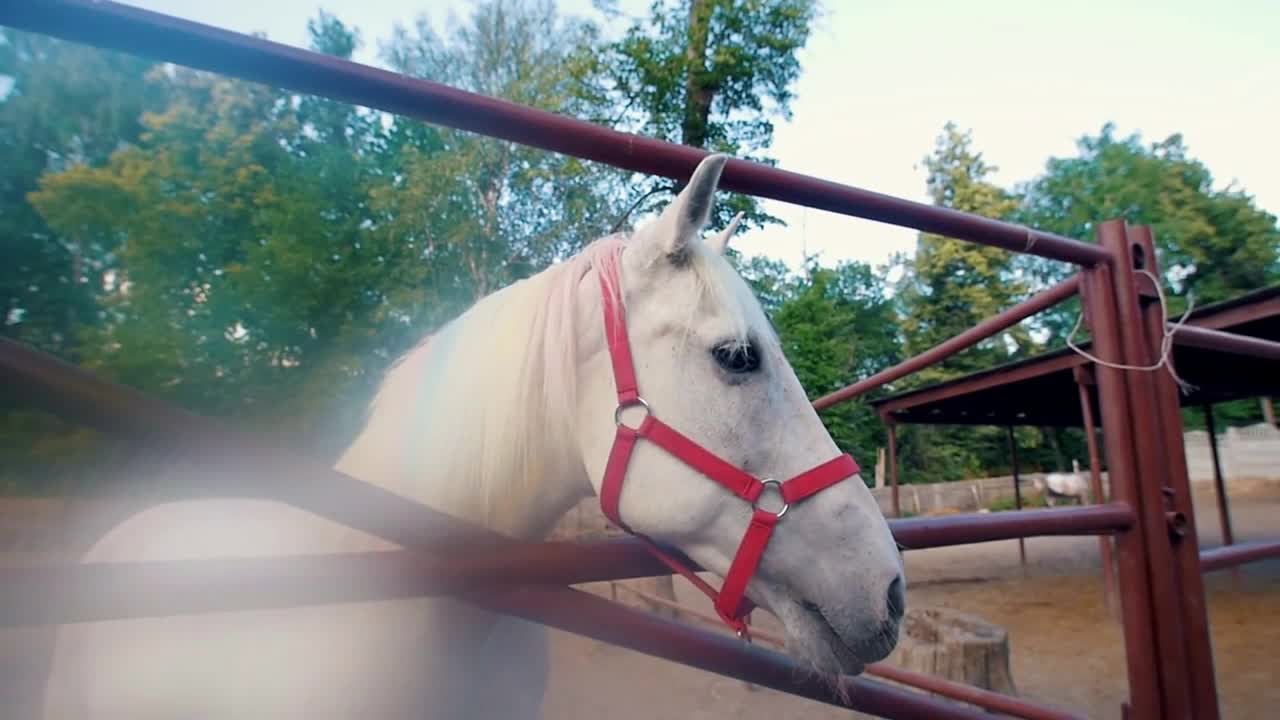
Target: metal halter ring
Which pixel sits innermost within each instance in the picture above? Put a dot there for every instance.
(617, 412)
(785, 505)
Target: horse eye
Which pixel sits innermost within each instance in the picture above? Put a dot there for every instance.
(737, 357)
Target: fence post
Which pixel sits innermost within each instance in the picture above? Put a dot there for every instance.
(1157, 518)
(1183, 538)
(1017, 495)
(893, 465)
(1099, 304)
(1084, 380)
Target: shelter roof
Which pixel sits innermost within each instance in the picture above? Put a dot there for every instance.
(1042, 390)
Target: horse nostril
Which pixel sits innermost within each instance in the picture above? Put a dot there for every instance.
(896, 602)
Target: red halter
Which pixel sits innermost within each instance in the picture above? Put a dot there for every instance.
(730, 603)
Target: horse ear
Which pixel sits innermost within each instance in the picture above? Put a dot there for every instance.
(683, 220)
(721, 241)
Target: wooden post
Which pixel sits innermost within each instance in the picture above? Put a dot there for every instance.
(893, 466)
(1017, 496)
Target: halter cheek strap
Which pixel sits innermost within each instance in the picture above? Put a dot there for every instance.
(730, 602)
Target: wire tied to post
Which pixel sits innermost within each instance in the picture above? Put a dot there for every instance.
(1166, 342)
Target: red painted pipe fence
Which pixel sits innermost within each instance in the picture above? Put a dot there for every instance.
(1170, 668)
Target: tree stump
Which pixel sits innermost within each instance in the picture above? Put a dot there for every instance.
(955, 646)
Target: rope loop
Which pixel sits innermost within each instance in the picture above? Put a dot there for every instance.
(1166, 342)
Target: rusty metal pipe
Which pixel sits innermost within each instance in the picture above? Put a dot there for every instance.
(965, 528)
(1170, 661)
(1036, 303)
(104, 591)
(1219, 481)
(1017, 494)
(720, 653)
(1231, 556)
(162, 37)
(1135, 588)
(987, 699)
(992, 701)
(1170, 481)
(242, 466)
(1209, 339)
(1083, 380)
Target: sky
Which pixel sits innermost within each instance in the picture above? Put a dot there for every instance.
(880, 79)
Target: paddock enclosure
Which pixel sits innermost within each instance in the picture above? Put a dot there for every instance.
(1149, 513)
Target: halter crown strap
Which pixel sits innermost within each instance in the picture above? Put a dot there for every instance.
(730, 602)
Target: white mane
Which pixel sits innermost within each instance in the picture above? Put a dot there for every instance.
(473, 419)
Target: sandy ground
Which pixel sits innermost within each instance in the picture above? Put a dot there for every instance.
(1065, 649)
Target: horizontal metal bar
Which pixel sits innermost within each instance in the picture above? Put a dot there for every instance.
(103, 591)
(963, 529)
(967, 339)
(255, 471)
(90, 592)
(992, 701)
(720, 653)
(1199, 337)
(562, 608)
(1010, 706)
(162, 37)
(210, 457)
(1227, 556)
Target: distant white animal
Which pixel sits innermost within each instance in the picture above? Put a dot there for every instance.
(1058, 486)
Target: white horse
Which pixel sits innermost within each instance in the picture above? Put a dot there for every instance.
(505, 419)
(1072, 485)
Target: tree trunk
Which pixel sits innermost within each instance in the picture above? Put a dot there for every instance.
(1268, 410)
(698, 91)
(955, 646)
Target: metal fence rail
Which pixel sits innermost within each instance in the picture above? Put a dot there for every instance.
(1165, 625)
(140, 32)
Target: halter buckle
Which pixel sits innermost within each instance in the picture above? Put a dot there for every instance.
(785, 505)
(617, 412)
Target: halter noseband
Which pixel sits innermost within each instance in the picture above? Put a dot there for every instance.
(730, 602)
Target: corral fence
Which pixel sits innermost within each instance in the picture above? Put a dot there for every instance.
(1166, 637)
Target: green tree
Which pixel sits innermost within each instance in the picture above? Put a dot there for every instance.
(487, 212)
(838, 326)
(710, 74)
(282, 249)
(67, 106)
(239, 220)
(951, 285)
(62, 106)
(770, 279)
(946, 288)
(1212, 244)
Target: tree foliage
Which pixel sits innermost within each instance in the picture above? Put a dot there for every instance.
(1212, 243)
(710, 74)
(67, 106)
(255, 254)
(950, 285)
